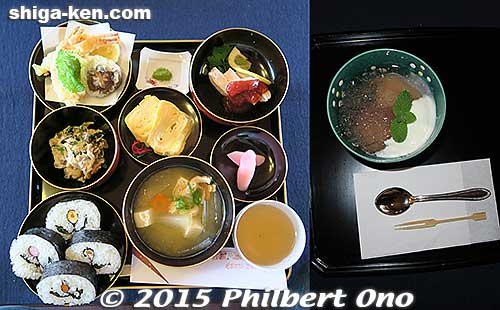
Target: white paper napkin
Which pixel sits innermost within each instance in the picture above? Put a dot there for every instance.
(377, 235)
(226, 269)
(51, 36)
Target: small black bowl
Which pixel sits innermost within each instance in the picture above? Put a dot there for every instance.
(223, 234)
(38, 82)
(54, 122)
(268, 178)
(265, 54)
(110, 221)
(183, 102)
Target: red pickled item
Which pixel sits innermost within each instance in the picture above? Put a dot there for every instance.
(33, 251)
(245, 91)
(139, 148)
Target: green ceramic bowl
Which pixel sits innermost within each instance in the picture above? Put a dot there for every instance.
(383, 58)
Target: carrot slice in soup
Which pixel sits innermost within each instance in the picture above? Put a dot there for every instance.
(160, 203)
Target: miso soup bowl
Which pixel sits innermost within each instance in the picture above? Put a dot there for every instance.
(225, 228)
(383, 58)
(300, 235)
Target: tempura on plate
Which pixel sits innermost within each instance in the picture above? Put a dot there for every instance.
(83, 64)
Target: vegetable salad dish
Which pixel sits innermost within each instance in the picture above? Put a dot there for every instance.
(79, 150)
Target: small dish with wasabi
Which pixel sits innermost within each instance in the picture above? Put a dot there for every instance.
(166, 69)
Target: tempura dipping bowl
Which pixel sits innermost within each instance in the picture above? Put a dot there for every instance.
(373, 60)
(298, 226)
(266, 56)
(218, 241)
(54, 122)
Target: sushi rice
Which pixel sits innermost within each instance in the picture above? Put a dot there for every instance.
(67, 283)
(33, 250)
(67, 255)
(97, 248)
(67, 217)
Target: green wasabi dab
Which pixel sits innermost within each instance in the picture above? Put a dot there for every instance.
(162, 74)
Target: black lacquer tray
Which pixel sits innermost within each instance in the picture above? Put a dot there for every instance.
(113, 190)
(466, 62)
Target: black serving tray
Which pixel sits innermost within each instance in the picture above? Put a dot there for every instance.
(113, 190)
(466, 61)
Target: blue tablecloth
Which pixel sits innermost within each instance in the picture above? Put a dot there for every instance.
(286, 22)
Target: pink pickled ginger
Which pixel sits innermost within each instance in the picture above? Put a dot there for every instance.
(246, 161)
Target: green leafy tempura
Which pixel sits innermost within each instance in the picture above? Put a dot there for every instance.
(402, 116)
(68, 70)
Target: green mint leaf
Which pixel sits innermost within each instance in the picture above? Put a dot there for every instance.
(402, 103)
(399, 130)
(409, 117)
(402, 116)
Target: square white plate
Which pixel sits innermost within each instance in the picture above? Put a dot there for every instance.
(177, 63)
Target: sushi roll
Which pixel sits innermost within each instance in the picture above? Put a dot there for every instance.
(67, 283)
(33, 250)
(67, 217)
(96, 247)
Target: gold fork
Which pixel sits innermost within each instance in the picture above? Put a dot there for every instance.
(478, 216)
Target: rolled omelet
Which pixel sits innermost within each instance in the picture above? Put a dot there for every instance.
(170, 130)
(140, 120)
(160, 125)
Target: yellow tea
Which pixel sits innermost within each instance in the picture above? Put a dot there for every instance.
(265, 235)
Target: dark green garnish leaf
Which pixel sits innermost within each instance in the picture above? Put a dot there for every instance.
(399, 130)
(402, 116)
(219, 57)
(409, 117)
(402, 103)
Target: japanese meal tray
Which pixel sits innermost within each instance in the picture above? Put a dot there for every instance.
(113, 190)
(465, 61)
